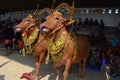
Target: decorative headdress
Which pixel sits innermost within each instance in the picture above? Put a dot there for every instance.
(56, 12)
(30, 16)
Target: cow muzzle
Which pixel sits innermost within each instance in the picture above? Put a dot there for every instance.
(18, 29)
(44, 29)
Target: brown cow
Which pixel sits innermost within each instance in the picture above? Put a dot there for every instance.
(38, 48)
(62, 46)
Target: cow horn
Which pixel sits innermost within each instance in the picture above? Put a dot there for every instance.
(35, 15)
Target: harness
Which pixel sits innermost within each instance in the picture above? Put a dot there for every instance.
(30, 41)
(57, 48)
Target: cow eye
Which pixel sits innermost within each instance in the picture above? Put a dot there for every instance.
(27, 21)
(57, 18)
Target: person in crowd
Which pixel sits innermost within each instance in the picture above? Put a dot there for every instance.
(102, 25)
(95, 60)
(79, 21)
(91, 23)
(119, 25)
(86, 22)
(8, 37)
(19, 41)
(96, 22)
(1, 34)
(115, 42)
(114, 61)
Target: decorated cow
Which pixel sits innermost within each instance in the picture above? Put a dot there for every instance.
(63, 46)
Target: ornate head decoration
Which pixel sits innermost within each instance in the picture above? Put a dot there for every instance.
(56, 12)
(30, 16)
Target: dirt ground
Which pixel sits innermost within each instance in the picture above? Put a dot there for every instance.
(13, 66)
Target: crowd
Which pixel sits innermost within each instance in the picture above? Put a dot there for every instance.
(105, 55)
(91, 22)
(8, 36)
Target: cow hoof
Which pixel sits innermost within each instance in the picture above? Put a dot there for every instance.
(37, 78)
(82, 76)
(79, 75)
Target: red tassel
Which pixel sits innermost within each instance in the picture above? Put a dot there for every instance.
(27, 76)
(24, 33)
(46, 37)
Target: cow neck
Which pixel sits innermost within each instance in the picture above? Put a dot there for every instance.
(58, 33)
(30, 39)
(57, 44)
(57, 29)
(31, 30)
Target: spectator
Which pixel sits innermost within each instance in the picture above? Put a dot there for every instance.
(79, 21)
(102, 24)
(91, 22)
(19, 41)
(115, 42)
(1, 35)
(96, 22)
(86, 22)
(119, 25)
(8, 37)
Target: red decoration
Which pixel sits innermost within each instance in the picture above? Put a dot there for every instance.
(27, 76)
(24, 33)
(7, 41)
(46, 37)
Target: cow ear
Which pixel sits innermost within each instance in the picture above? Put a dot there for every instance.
(64, 19)
(47, 17)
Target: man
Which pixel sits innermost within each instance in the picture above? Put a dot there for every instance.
(8, 37)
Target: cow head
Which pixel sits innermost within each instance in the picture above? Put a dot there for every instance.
(53, 22)
(27, 22)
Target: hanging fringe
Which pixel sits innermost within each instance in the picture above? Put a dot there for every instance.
(47, 59)
(107, 76)
(23, 52)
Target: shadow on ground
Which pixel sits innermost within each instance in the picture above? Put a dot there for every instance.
(2, 77)
(47, 72)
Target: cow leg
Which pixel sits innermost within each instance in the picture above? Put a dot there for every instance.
(79, 69)
(83, 68)
(38, 64)
(57, 73)
(67, 69)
